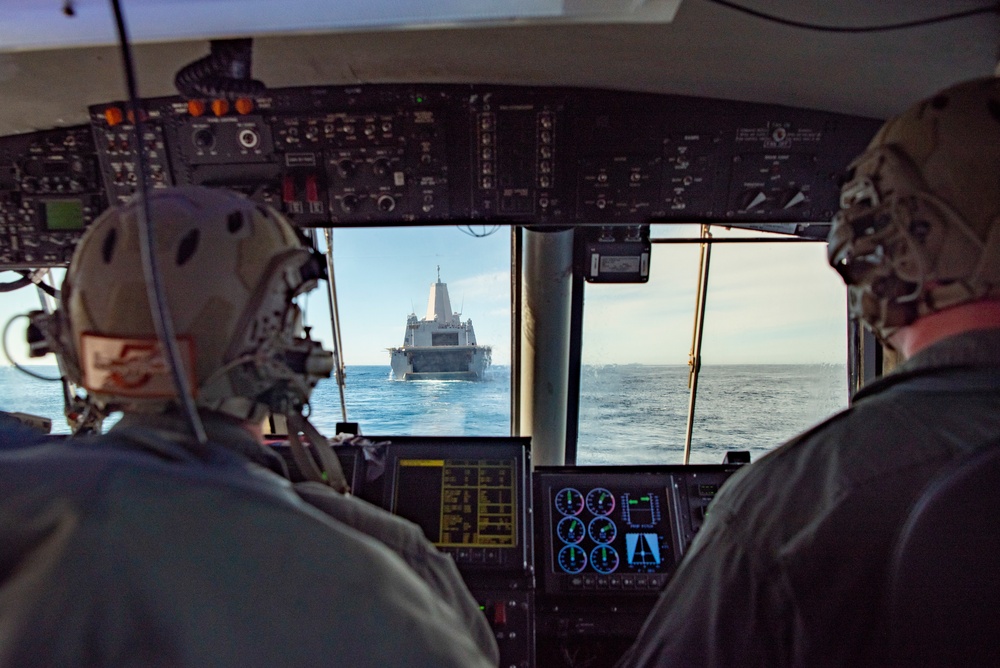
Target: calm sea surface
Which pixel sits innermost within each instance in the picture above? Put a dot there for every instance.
(631, 414)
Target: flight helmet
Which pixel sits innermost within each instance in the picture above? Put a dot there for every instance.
(230, 269)
(919, 225)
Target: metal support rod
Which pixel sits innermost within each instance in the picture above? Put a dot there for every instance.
(694, 359)
(338, 346)
(516, 273)
(69, 393)
(737, 240)
(544, 343)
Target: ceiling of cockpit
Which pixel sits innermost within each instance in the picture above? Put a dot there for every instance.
(706, 50)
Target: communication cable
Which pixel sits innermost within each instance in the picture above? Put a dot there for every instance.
(16, 284)
(160, 311)
(13, 362)
(986, 9)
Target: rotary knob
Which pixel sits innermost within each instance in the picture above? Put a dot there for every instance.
(346, 168)
(350, 203)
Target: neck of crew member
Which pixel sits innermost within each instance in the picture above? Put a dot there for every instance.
(932, 328)
(256, 429)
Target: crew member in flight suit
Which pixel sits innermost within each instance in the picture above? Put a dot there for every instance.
(791, 563)
(145, 546)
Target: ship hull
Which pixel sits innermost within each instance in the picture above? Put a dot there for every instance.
(440, 362)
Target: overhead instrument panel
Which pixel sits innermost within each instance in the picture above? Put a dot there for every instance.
(776, 173)
(519, 143)
(50, 190)
(429, 154)
(690, 170)
(324, 156)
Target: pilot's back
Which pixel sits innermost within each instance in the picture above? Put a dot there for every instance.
(118, 557)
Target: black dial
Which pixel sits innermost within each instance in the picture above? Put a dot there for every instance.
(600, 501)
(604, 559)
(569, 501)
(570, 530)
(572, 559)
(602, 530)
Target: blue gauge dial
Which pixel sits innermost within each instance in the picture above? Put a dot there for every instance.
(572, 559)
(600, 501)
(602, 530)
(571, 530)
(569, 501)
(604, 559)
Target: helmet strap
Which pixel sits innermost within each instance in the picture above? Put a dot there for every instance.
(332, 474)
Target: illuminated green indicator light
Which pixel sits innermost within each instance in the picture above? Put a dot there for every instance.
(632, 502)
(644, 498)
(420, 99)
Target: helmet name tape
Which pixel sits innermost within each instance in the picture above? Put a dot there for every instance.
(131, 367)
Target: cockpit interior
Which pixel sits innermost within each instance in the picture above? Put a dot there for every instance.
(576, 126)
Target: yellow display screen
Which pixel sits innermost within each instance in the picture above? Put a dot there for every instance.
(459, 502)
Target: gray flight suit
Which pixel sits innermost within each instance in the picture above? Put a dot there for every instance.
(128, 550)
(790, 566)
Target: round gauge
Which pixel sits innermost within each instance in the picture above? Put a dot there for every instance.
(604, 559)
(600, 501)
(569, 501)
(602, 530)
(572, 559)
(571, 530)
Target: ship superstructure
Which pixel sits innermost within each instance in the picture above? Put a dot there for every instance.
(440, 346)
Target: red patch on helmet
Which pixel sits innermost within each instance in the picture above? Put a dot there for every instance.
(132, 367)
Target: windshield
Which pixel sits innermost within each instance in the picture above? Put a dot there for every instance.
(382, 277)
(385, 277)
(774, 359)
(773, 353)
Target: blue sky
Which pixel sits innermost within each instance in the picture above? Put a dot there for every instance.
(767, 303)
(384, 275)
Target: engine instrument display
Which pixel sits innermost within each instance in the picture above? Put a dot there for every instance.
(469, 497)
(608, 532)
(618, 530)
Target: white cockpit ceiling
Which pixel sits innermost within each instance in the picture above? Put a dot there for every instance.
(706, 50)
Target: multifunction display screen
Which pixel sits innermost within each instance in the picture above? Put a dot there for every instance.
(64, 214)
(606, 531)
(459, 502)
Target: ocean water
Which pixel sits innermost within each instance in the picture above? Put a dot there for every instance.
(637, 414)
(629, 414)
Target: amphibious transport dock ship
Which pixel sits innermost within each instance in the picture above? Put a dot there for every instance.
(440, 346)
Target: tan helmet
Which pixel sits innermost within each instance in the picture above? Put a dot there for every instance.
(919, 225)
(230, 270)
